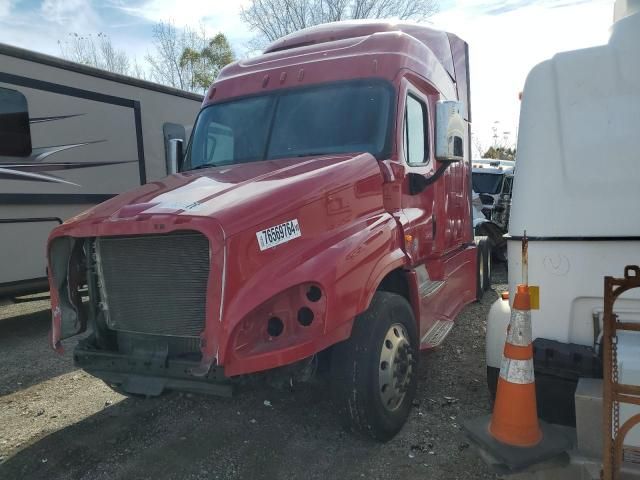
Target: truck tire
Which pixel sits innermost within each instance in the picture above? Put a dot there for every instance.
(483, 273)
(487, 266)
(480, 277)
(500, 253)
(374, 372)
(492, 382)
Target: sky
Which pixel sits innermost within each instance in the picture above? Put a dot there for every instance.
(506, 37)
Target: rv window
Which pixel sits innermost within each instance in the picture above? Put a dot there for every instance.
(15, 136)
(415, 133)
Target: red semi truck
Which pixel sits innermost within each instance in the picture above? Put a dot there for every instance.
(321, 209)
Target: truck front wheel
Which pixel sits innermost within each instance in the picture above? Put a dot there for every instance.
(374, 372)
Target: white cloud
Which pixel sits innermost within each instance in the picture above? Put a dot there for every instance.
(217, 16)
(5, 7)
(41, 28)
(21, 36)
(70, 15)
(506, 37)
(505, 46)
(186, 12)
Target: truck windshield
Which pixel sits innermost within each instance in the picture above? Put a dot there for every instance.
(335, 118)
(486, 182)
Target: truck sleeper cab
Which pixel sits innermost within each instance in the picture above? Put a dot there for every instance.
(321, 206)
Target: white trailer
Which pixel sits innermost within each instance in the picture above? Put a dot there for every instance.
(72, 136)
(577, 195)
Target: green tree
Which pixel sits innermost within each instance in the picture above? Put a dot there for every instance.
(500, 153)
(202, 66)
(187, 58)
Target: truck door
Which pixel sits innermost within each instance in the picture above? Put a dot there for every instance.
(420, 222)
(453, 190)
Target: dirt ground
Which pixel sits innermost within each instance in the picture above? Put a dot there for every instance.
(57, 422)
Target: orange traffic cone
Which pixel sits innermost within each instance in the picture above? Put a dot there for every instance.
(515, 417)
(512, 437)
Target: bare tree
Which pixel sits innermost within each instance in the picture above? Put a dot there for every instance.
(477, 144)
(165, 64)
(187, 59)
(182, 58)
(137, 70)
(500, 153)
(272, 19)
(96, 51)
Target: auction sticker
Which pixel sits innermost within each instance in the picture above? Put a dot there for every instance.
(278, 234)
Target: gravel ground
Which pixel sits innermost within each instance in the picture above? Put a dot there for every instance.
(57, 422)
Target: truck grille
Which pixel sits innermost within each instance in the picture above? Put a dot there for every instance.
(154, 284)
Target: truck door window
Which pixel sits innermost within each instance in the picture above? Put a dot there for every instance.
(415, 132)
(508, 184)
(15, 134)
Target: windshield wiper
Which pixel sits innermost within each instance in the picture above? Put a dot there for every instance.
(313, 154)
(204, 165)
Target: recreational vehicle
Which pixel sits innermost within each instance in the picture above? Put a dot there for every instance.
(72, 136)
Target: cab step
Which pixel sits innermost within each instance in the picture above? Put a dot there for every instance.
(436, 334)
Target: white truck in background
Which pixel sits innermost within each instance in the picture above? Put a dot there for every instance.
(492, 182)
(577, 195)
(72, 136)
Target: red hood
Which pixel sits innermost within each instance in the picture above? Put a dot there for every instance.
(238, 196)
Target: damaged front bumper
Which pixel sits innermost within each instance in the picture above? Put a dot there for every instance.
(150, 375)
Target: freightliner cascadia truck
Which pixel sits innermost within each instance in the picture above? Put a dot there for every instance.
(321, 210)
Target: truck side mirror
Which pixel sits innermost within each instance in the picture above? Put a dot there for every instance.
(450, 131)
(176, 155)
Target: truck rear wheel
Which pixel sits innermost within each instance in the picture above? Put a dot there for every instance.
(483, 270)
(479, 272)
(374, 372)
(492, 382)
(487, 265)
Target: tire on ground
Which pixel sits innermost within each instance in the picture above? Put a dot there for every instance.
(492, 382)
(487, 265)
(357, 368)
(480, 252)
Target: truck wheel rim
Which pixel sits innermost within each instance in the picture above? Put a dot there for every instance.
(481, 273)
(396, 367)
